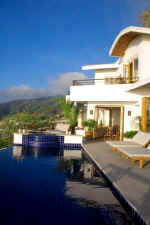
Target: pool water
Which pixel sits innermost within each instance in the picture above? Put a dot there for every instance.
(49, 187)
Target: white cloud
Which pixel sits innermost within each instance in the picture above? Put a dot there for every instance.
(22, 92)
(62, 84)
(56, 87)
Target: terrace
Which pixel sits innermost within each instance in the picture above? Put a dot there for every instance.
(106, 80)
(103, 90)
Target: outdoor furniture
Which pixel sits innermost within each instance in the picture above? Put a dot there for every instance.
(135, 149)
(116, 133)
(141, 139)
(99, 132)
(136, 153)
(109, 133)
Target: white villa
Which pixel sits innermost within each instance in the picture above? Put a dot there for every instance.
(119, 94)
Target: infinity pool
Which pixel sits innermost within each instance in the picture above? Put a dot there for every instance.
(45, 187)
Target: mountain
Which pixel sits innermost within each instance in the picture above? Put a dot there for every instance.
(48, 106)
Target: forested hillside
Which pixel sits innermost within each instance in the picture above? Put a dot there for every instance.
(47, 106)
(27, 114)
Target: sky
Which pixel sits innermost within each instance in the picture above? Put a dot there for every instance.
(44, 43)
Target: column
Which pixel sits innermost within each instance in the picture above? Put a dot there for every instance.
(121, 123)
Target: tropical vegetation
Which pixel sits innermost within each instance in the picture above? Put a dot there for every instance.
(130, 134)
(70, 112)
(90, 124)
(144, 18)
(27, 114)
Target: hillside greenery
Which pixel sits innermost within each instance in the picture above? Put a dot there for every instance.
(27, 114)
(47, 106)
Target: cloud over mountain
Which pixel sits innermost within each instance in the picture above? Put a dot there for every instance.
(62, 84)
(59, 86)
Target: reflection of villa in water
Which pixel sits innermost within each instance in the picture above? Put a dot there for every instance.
(20, 152)
(87, 188)
(72, 154)
(17, 153)
(83, 181)
(83, 185)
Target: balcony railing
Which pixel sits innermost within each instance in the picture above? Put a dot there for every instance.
(106, 80)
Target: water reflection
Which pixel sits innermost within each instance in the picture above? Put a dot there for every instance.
(82, 184)
(87, 188)
(20, 153)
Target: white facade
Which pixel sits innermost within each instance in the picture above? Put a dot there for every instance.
(132, 46)
(139, 48)
(18, 139)
(102, 93)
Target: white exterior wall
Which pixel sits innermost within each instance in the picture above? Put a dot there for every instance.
(72, 139)
(18, 139)
(145, 57)
(102, 92)
(131, 122)
(100, 74)
(139, 47)
(89, 108)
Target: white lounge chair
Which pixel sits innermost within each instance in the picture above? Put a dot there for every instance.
(141, 139)
(136, 153)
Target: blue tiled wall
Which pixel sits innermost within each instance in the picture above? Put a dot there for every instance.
(47, 141)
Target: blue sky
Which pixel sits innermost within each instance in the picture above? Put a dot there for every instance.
(45, 42)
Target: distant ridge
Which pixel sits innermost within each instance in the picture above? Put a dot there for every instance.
(47, 105)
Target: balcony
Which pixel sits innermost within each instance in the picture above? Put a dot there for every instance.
(110, 89)
(106, 80)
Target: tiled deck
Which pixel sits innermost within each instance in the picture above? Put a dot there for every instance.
(131, 181)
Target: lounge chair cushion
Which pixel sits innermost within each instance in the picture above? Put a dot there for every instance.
(134, 151)
(141, 139)
(122, 143)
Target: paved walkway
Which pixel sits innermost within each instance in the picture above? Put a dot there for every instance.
(128, 178)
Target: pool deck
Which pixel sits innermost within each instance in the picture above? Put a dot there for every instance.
(131, 181)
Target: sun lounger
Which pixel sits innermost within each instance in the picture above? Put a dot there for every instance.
(136, 153)
(141, 139)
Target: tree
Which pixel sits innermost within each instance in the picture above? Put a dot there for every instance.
(70, 112)
(144, 18)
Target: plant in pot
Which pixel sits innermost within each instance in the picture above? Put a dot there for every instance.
(89, 125)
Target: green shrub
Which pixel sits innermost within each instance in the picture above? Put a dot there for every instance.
(90, 124)
(130, 134)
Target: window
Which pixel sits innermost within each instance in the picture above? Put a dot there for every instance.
(136, 67)
(133, 70)
(129, 113)
(125, 71)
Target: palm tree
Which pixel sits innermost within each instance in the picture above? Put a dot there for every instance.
(144, 18)
(70, 112)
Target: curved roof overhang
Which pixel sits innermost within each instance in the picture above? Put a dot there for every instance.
(124, 38)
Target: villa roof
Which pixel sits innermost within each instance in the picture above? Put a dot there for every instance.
(124, 38)
(100, 66)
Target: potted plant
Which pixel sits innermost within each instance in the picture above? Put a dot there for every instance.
(130, 134)
(90, 125)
